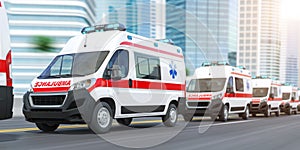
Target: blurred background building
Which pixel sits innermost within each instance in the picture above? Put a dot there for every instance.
(259, 37)
(205, 29)
(55, 20)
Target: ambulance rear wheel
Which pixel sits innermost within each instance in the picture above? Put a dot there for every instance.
(224, 113)
(188, 117)
(170, 118)
(246, 114)
(47, 127)
(101, 121)
(124, 121)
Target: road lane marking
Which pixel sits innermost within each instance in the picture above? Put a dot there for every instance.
(84, 126)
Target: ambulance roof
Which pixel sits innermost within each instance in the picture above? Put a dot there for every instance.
(112, 39)
(221, 71)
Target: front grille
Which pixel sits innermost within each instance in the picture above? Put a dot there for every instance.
(198, 104)
(255, 105)
(48, 100)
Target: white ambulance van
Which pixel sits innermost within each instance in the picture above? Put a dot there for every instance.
(105, 74)
(267, 96)
(290, 99)
(6, 89)
(217, 89)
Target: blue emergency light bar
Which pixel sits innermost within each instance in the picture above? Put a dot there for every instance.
(103, 27)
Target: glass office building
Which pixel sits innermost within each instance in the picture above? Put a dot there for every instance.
(58, 20)
(210, 30)
(142, 17)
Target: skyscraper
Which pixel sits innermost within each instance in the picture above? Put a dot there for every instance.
(58, 20)
(210, 29)
(259, 37)
(290, 52)
(142, 17)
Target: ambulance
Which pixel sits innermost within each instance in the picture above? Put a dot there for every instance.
(290, 99)
(104, 74)
(218, 90)
(267, 96)
(6, 89)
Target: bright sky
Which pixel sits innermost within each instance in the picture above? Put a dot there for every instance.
(291, 9)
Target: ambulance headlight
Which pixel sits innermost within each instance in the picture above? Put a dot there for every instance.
(218, 96)
(30, 90)
(83, 84)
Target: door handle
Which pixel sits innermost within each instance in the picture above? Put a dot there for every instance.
(130, 83)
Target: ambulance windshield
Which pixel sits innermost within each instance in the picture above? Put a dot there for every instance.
(286, 96)
(74, 65)
(206, 85)
(260, 92)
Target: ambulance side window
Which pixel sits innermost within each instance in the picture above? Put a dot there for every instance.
(239, 85)
(147, 67)
(120, 59)
(229, 88)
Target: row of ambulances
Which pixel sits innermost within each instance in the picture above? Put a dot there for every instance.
(107, 73)
(6, 96)
(218, 90)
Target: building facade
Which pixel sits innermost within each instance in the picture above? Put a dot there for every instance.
(58, 20)
(207, 29)
(142, 17)
(290, 52)
(260, 37)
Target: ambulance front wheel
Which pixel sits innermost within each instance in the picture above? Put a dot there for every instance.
(170, 118)
(224, 113)
(277, 113)
(124, 121)
(101, 121)
(47, 127)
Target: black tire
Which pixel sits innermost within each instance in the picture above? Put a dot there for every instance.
(46, 127)
(267, 113)
(295, 112)
(101, 121)
(277, 113)
(224, 113)
(253, 115)
(246, 114)
(124, 121)
(171, 117)
(188, 117)
(289, 111)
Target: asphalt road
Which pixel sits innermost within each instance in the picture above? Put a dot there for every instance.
(256, 133)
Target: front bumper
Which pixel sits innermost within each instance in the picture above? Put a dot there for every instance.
(213, 108)
(258, 108)
(78, 107)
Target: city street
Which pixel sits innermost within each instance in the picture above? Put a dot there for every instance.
(257, 133)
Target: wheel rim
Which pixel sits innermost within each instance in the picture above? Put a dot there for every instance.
(103, 117)
(173, 115)
(225, 112)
